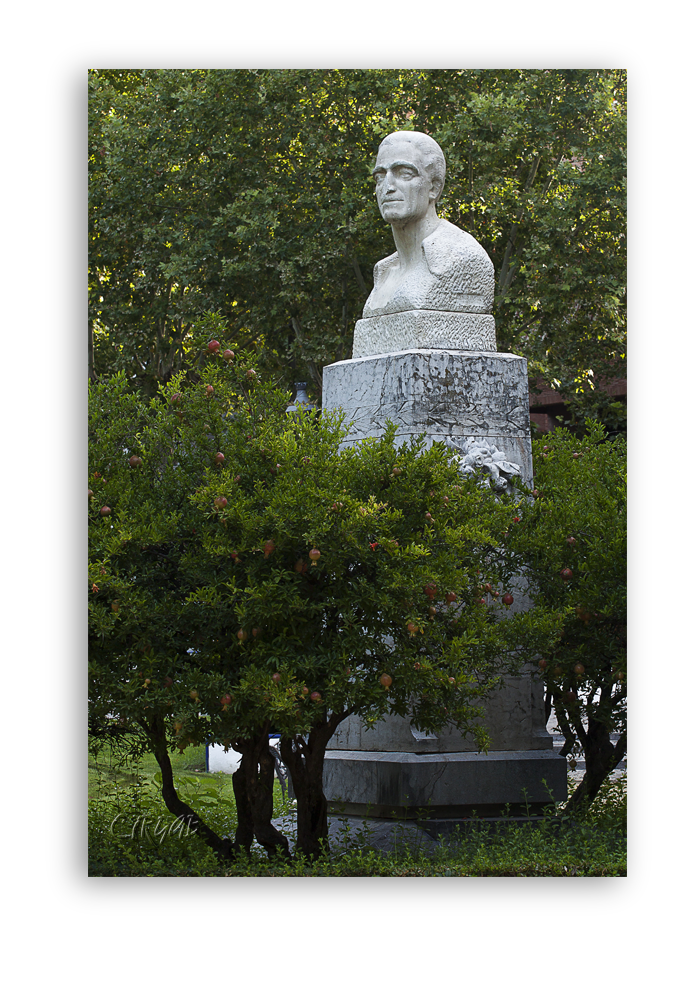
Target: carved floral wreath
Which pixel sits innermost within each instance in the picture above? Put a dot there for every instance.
(486, 457)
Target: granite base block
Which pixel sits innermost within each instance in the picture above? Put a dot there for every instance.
(444, 785)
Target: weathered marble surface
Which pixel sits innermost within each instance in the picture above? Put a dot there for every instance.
(426, 330)
(454, 273)
(466, 396)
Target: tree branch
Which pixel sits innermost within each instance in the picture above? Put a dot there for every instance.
(359, 277)
(507, 274)
(158, 741)
(566, 729)
(551, 175)
(314, 371)
(90, 350)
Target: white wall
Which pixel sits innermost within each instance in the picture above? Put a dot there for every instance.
(227, 761)
(220, 759)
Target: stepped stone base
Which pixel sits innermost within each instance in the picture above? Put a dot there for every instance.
(443, 785)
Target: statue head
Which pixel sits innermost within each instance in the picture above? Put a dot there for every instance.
(409, 176)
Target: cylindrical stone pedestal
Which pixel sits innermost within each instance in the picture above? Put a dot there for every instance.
(392, 769)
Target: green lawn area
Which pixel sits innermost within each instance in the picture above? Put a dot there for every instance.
(131, 834)
(104, 769)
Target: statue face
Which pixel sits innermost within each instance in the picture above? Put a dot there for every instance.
(402, 187)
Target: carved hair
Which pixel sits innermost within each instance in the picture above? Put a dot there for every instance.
(434, 161)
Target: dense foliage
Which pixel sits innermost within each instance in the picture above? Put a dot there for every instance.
(574, 541)
(248, 576)
(248, 194)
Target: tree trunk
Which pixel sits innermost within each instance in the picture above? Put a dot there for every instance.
(244, 834)
(602, 757)
(221, 845)
(253, 787)
(90, 351)
(359, 277)
(305, 763)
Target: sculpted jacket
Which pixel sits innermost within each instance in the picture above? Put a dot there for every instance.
(455, 275)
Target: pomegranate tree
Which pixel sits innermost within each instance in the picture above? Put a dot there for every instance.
(287, 582)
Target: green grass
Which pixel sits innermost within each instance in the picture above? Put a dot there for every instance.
(131, 834)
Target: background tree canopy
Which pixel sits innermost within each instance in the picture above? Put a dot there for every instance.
(240, 202)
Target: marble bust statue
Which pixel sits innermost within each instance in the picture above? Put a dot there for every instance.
(437, 289)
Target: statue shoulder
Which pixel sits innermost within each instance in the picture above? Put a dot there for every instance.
(383, 266)
(449, 247)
